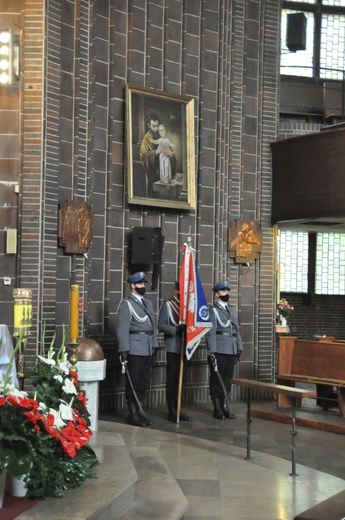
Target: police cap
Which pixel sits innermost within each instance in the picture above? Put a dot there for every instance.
(221, 286)
(137, 278)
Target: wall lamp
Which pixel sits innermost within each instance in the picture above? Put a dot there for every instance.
(9, 57)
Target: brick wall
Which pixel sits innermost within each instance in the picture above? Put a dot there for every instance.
(79, 56)
(317, 315)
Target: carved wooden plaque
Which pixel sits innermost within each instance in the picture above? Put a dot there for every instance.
(244, 241)
(75, 226)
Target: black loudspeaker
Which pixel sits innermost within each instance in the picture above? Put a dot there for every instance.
(296, 32)
(146, 245)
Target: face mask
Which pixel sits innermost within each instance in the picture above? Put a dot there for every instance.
(140, 290)
(224, 298)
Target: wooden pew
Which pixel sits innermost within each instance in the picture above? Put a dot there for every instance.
(317, 362)
(293, 395)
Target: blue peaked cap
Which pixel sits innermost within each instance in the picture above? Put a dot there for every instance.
(137, 277)
(221, 286)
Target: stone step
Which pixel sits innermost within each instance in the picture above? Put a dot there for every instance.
(133, 482)
(101, 498)
(157, 494)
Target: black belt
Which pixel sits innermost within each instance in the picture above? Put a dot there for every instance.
(222, 333)
(149, 333)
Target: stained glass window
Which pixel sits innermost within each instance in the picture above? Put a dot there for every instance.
(330, 263)
(293, 261)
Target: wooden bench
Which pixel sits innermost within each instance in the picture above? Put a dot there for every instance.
(333, 508)
(321, 363)
(293, 395)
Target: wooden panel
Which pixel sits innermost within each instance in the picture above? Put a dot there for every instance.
(308, 176)
(301, 98)
(285, 352)
(312, 359)
(324, 360)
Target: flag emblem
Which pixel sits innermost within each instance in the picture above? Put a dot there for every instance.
(194, 311)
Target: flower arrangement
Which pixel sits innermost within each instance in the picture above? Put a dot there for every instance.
(284, 309)
(44, 435)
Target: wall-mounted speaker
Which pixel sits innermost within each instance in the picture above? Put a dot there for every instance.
(146, 245)
(296, 32)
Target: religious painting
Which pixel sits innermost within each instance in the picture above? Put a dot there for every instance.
(75, 226)
(160, 152)
(244, 241)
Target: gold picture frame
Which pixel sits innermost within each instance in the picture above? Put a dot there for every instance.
(160, 151)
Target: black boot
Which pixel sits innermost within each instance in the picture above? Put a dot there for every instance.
(226, 411)
(185, 417)
(133, 417)
(218, 412)
(145, 419)
(172, 414)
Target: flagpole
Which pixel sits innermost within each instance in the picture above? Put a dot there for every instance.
(182, 355)
(179, 393)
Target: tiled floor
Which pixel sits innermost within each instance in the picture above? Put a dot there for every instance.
(208, 459)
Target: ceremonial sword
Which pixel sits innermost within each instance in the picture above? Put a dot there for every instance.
(126, 371)
(213, 360)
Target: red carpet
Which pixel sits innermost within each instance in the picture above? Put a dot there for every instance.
(13, 506)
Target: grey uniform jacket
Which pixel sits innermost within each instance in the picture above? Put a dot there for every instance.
(224, 337)
(131, 317)
(168, 319)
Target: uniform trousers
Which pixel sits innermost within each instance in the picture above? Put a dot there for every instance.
(173, 375)
(139, 368)
(226, 364)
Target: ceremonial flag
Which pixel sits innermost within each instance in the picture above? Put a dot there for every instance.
(194, 311)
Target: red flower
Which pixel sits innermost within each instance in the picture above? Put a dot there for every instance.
(68, 448)
(53, 432)
(33, 417)
(74, 375)
(49, 420)
(2, 400)
(82, 397)
(23, 402)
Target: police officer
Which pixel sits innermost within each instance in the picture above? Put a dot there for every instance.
(137, 339)
(168, 323)
(223, 341)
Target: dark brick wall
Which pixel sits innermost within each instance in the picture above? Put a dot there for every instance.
(224, 55)
(317, 315)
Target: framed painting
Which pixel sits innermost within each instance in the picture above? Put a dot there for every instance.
(160, 156)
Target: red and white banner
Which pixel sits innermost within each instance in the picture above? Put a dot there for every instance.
(194, 311)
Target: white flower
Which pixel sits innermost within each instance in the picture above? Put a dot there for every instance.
(58, 422)
(58, 378)
(12, 390)
(63, 366)
(69, 387)
(42, 407)
(47, 361)
(66, 412)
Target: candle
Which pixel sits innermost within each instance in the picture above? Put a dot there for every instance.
(18, 314)
(22, 311)
(73, 313)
